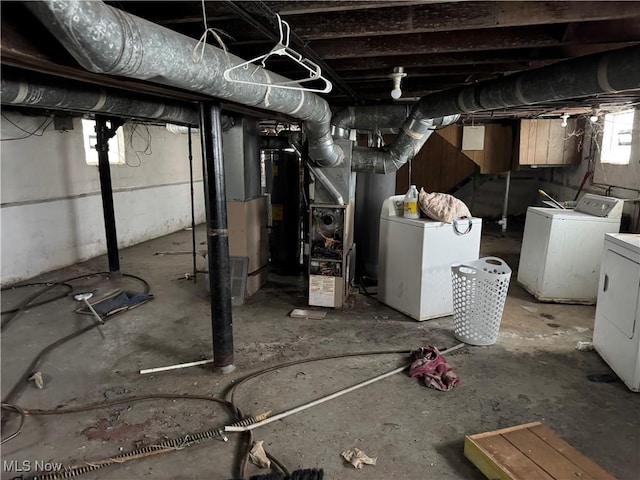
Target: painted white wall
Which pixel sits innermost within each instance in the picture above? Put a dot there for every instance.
(51, 209)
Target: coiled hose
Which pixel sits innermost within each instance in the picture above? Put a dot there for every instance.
(27, 303)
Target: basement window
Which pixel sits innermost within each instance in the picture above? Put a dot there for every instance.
(116, 144)
(616, 138)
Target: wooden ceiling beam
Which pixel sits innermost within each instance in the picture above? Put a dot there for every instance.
(426, 71)
(470, 40)
(472, 58)
(216, 11)
(310, 7)
(450, 16)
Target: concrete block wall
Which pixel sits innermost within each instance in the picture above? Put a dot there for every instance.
(50, 204)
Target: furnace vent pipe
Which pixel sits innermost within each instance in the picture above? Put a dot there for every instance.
(406, 146)
(371, 118)
(322, 178)
(106, 40)
(43, 93)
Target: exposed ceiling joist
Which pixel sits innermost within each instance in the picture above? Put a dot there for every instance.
(440, 44)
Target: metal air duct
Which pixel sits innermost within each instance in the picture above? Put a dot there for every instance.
(372, 118)
(408, 143)
(32, 91)
(612, 71)
(106, 40)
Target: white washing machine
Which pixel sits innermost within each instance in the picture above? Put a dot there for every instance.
(561, 249)
(616, 333)
(415, 258)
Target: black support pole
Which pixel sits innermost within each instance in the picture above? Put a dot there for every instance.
(217, 237)
(193, 213)
(103, 134)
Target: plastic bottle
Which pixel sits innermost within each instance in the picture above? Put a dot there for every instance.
(411, 203)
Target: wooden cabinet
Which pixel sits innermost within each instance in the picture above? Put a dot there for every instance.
(545, 142)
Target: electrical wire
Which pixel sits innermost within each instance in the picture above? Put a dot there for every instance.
(22, 381)
(34, 133)
(27, 302)
(121, 401)
(230, 392)
(37, 304)
(147, 148)
(22, 414)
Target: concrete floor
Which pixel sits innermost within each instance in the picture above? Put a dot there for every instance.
(533, 373)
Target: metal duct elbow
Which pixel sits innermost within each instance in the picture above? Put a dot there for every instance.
(414, 135)
(322, 150)
(371, 118)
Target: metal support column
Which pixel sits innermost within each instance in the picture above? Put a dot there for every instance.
(505, 204)
(193, 213)
(103, 133)
(217, 236)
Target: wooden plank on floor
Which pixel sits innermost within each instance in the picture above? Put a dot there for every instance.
(484, 461)
(586, 464)
(512, 464)
(544, 455)
(529, 452)
(504, 430)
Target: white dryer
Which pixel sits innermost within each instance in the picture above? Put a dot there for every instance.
(561, 249)
(616, 333)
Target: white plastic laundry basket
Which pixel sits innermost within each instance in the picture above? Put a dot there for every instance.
(479, 293)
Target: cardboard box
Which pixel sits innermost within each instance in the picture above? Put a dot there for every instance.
(248, 233)
(255, 282)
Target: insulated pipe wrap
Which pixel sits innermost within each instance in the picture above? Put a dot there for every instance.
(604, 72)
(45, 93)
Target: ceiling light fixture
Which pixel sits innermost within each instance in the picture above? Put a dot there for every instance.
(564, 118)
(397, 76)
(594, 116)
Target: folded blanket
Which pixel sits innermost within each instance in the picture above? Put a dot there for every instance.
(430, 364)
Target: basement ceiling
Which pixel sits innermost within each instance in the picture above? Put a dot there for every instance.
(357, 44)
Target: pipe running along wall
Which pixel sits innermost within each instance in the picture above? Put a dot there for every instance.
(38, 91)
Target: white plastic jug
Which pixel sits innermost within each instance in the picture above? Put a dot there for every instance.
(411, 203)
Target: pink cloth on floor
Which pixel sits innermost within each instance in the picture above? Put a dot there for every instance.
(430, 364)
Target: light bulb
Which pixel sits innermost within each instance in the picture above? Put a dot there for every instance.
(564, 118)
(397, 76)
(564, 122)
(593, 118)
